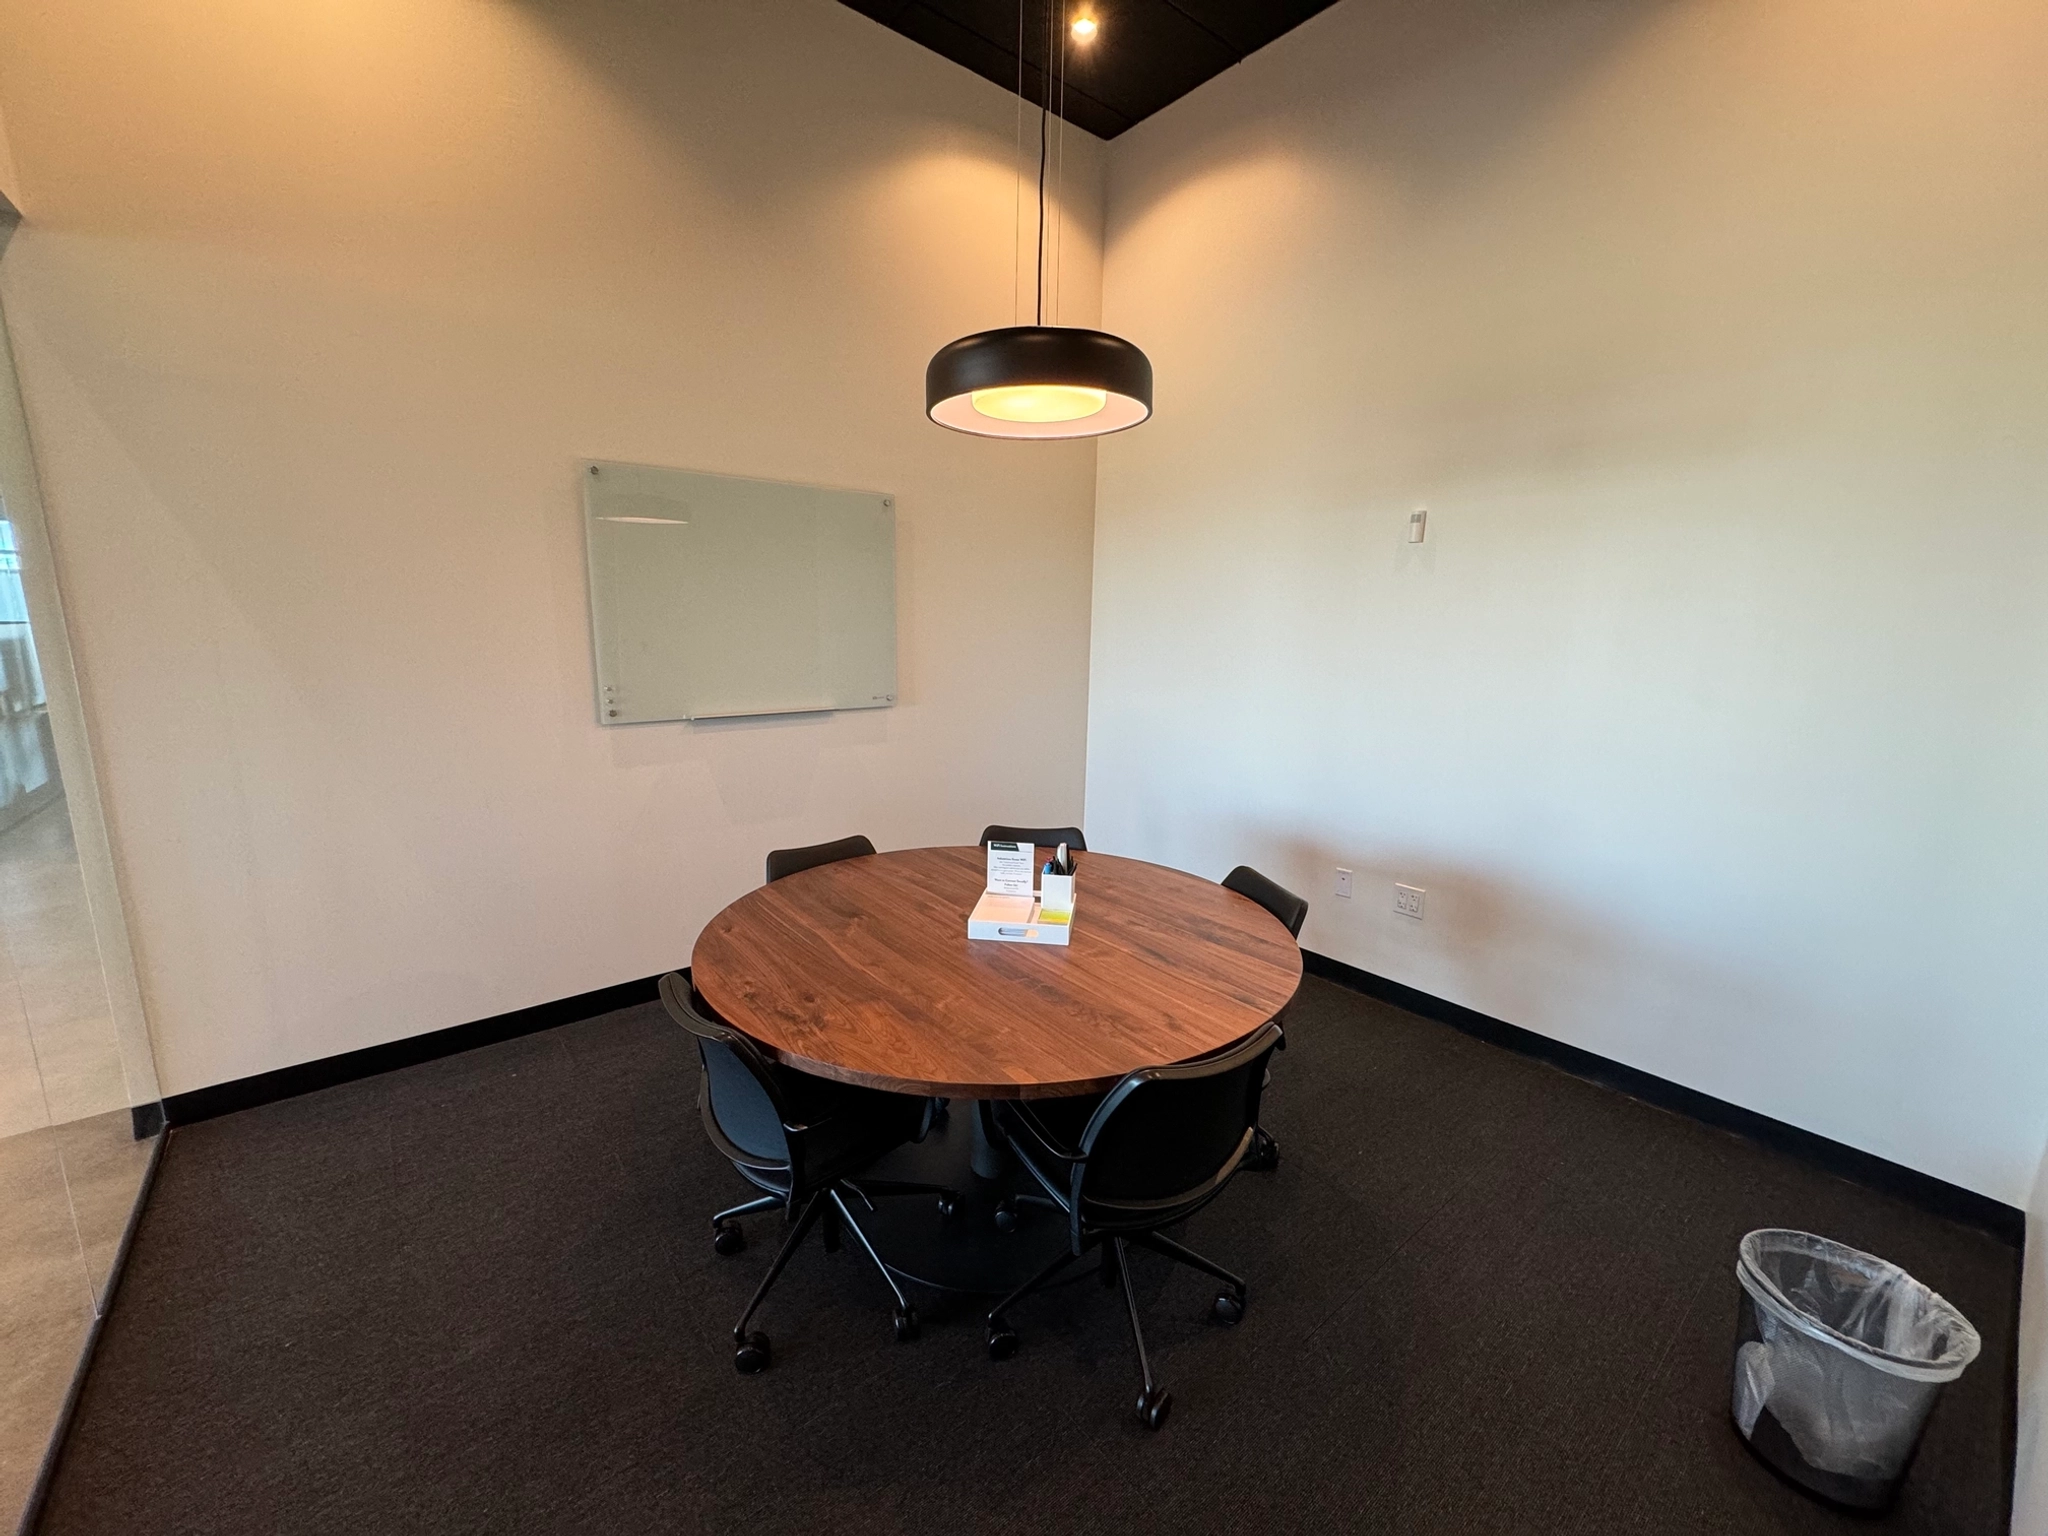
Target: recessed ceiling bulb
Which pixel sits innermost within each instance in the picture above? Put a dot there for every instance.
(1084, 28)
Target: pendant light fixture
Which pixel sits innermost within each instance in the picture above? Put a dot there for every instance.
(1039, 380)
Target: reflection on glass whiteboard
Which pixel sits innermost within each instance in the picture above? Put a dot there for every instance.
(713, 596)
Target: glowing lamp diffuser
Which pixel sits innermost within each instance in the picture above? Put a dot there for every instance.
(1040, 402)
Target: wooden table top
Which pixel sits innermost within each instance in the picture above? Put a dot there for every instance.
(862, 971)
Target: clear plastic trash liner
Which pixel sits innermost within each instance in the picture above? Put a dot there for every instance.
(1839, 1358)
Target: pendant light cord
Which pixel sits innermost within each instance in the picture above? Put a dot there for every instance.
(1059, 180)
(1017, 186)
(1044, 117)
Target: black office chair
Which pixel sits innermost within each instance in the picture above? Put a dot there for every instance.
(1040, 837)
(1289, 908)
(783, 862)
(801, 1140)
(1292, 912)
(1153, 1151)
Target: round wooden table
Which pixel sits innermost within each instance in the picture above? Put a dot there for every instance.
(862, 971)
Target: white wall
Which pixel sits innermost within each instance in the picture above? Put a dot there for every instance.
(318, 308)
(1713, 713)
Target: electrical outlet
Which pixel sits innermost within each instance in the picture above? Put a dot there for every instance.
(1408, 901)
(1344, 883)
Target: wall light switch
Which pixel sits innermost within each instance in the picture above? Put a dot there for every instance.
(1418, 524)
(1408, 901)
(1344, 883)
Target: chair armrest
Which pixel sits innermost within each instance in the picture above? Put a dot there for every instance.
(1042, 1136)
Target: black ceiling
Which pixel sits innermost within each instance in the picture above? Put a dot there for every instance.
(1147, 53)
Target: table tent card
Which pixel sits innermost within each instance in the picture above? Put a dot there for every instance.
(1009, 869)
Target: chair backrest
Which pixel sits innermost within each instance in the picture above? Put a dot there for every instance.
(1171, 1135)
(1047, 838)
(741, 1102)
(790, 861)
(1274, 897)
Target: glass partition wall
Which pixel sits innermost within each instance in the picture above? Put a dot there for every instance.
(80, 1118)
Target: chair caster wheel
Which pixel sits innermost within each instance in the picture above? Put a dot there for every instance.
(906, 1324)
(1006, 1216)
(1002, 1341)
(949, 1206)
(1229, 1309)
(727, 1239)
(1154, 1406)
(1264, 1155)
(752, 1357)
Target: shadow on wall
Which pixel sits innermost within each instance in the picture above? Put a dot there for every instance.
(1511, 950)
(1503, 948)
(1531, 959)
(789, 156)
(631, 51)
(1439, 90)
(904, 152)
(775, 763)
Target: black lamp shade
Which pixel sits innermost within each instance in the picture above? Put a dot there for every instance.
(1039, 381)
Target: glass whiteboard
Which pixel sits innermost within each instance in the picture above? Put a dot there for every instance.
(714, 596)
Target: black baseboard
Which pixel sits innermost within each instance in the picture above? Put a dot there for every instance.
(146, 1119)
(1938, 1196)
(1923, 1190)
(309, 1076)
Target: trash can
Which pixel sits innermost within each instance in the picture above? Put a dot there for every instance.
(1839, 1358)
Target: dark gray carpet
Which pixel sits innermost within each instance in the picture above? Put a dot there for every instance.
(478, 1295)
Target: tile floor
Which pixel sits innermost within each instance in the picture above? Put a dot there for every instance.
(59, 1057)
(70, 1167)
(66, 1192)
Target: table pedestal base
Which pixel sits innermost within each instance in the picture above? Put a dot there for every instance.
(966, 1253)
